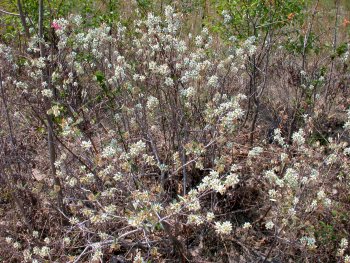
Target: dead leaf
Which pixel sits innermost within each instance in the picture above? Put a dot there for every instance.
(38, 175)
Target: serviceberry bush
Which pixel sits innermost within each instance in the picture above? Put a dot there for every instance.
(136, 142)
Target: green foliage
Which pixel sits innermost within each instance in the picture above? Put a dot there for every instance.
(144, 5)
(11, 29)
(297, 46)
(5, 195)
(341, 49)
(252, 17)
(94, 15)
(100, 79)
(158, 227)
(326, 233)
(317, 137)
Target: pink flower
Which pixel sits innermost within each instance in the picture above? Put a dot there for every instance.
(56, 26)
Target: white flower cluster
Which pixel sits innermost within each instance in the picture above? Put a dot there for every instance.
(269, 225)
(195, 220)
(226, 15)
(42, 252)
(273, 178)
(231, 180)
(249, 46)
(213, 81)
(190, 92)
(39, 63)
(212, 181)
(60, 25)
(137, 148)
(47, 93)
(97, 256)
(228, 112)
(247, 225)
(256, 151)
(109, 151)
(346, 54)
(347, 123)
(152, 103)
(21, 85)
(6, 52)
(55, 110)
(308, 241)
(224, 228)
(192, 202)
(86, 144)
(278, 137)
(343, 246)
(331, 159)
(291, 177)
(210, 216)
(299, 137)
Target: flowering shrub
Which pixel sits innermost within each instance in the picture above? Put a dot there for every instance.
(148, 150)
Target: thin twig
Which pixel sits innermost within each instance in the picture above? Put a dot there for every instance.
(8, 13)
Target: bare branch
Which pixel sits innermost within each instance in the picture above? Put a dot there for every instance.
(8, 13)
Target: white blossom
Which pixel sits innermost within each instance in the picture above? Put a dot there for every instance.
(269, 225)
(223, 228)
(298, 137)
